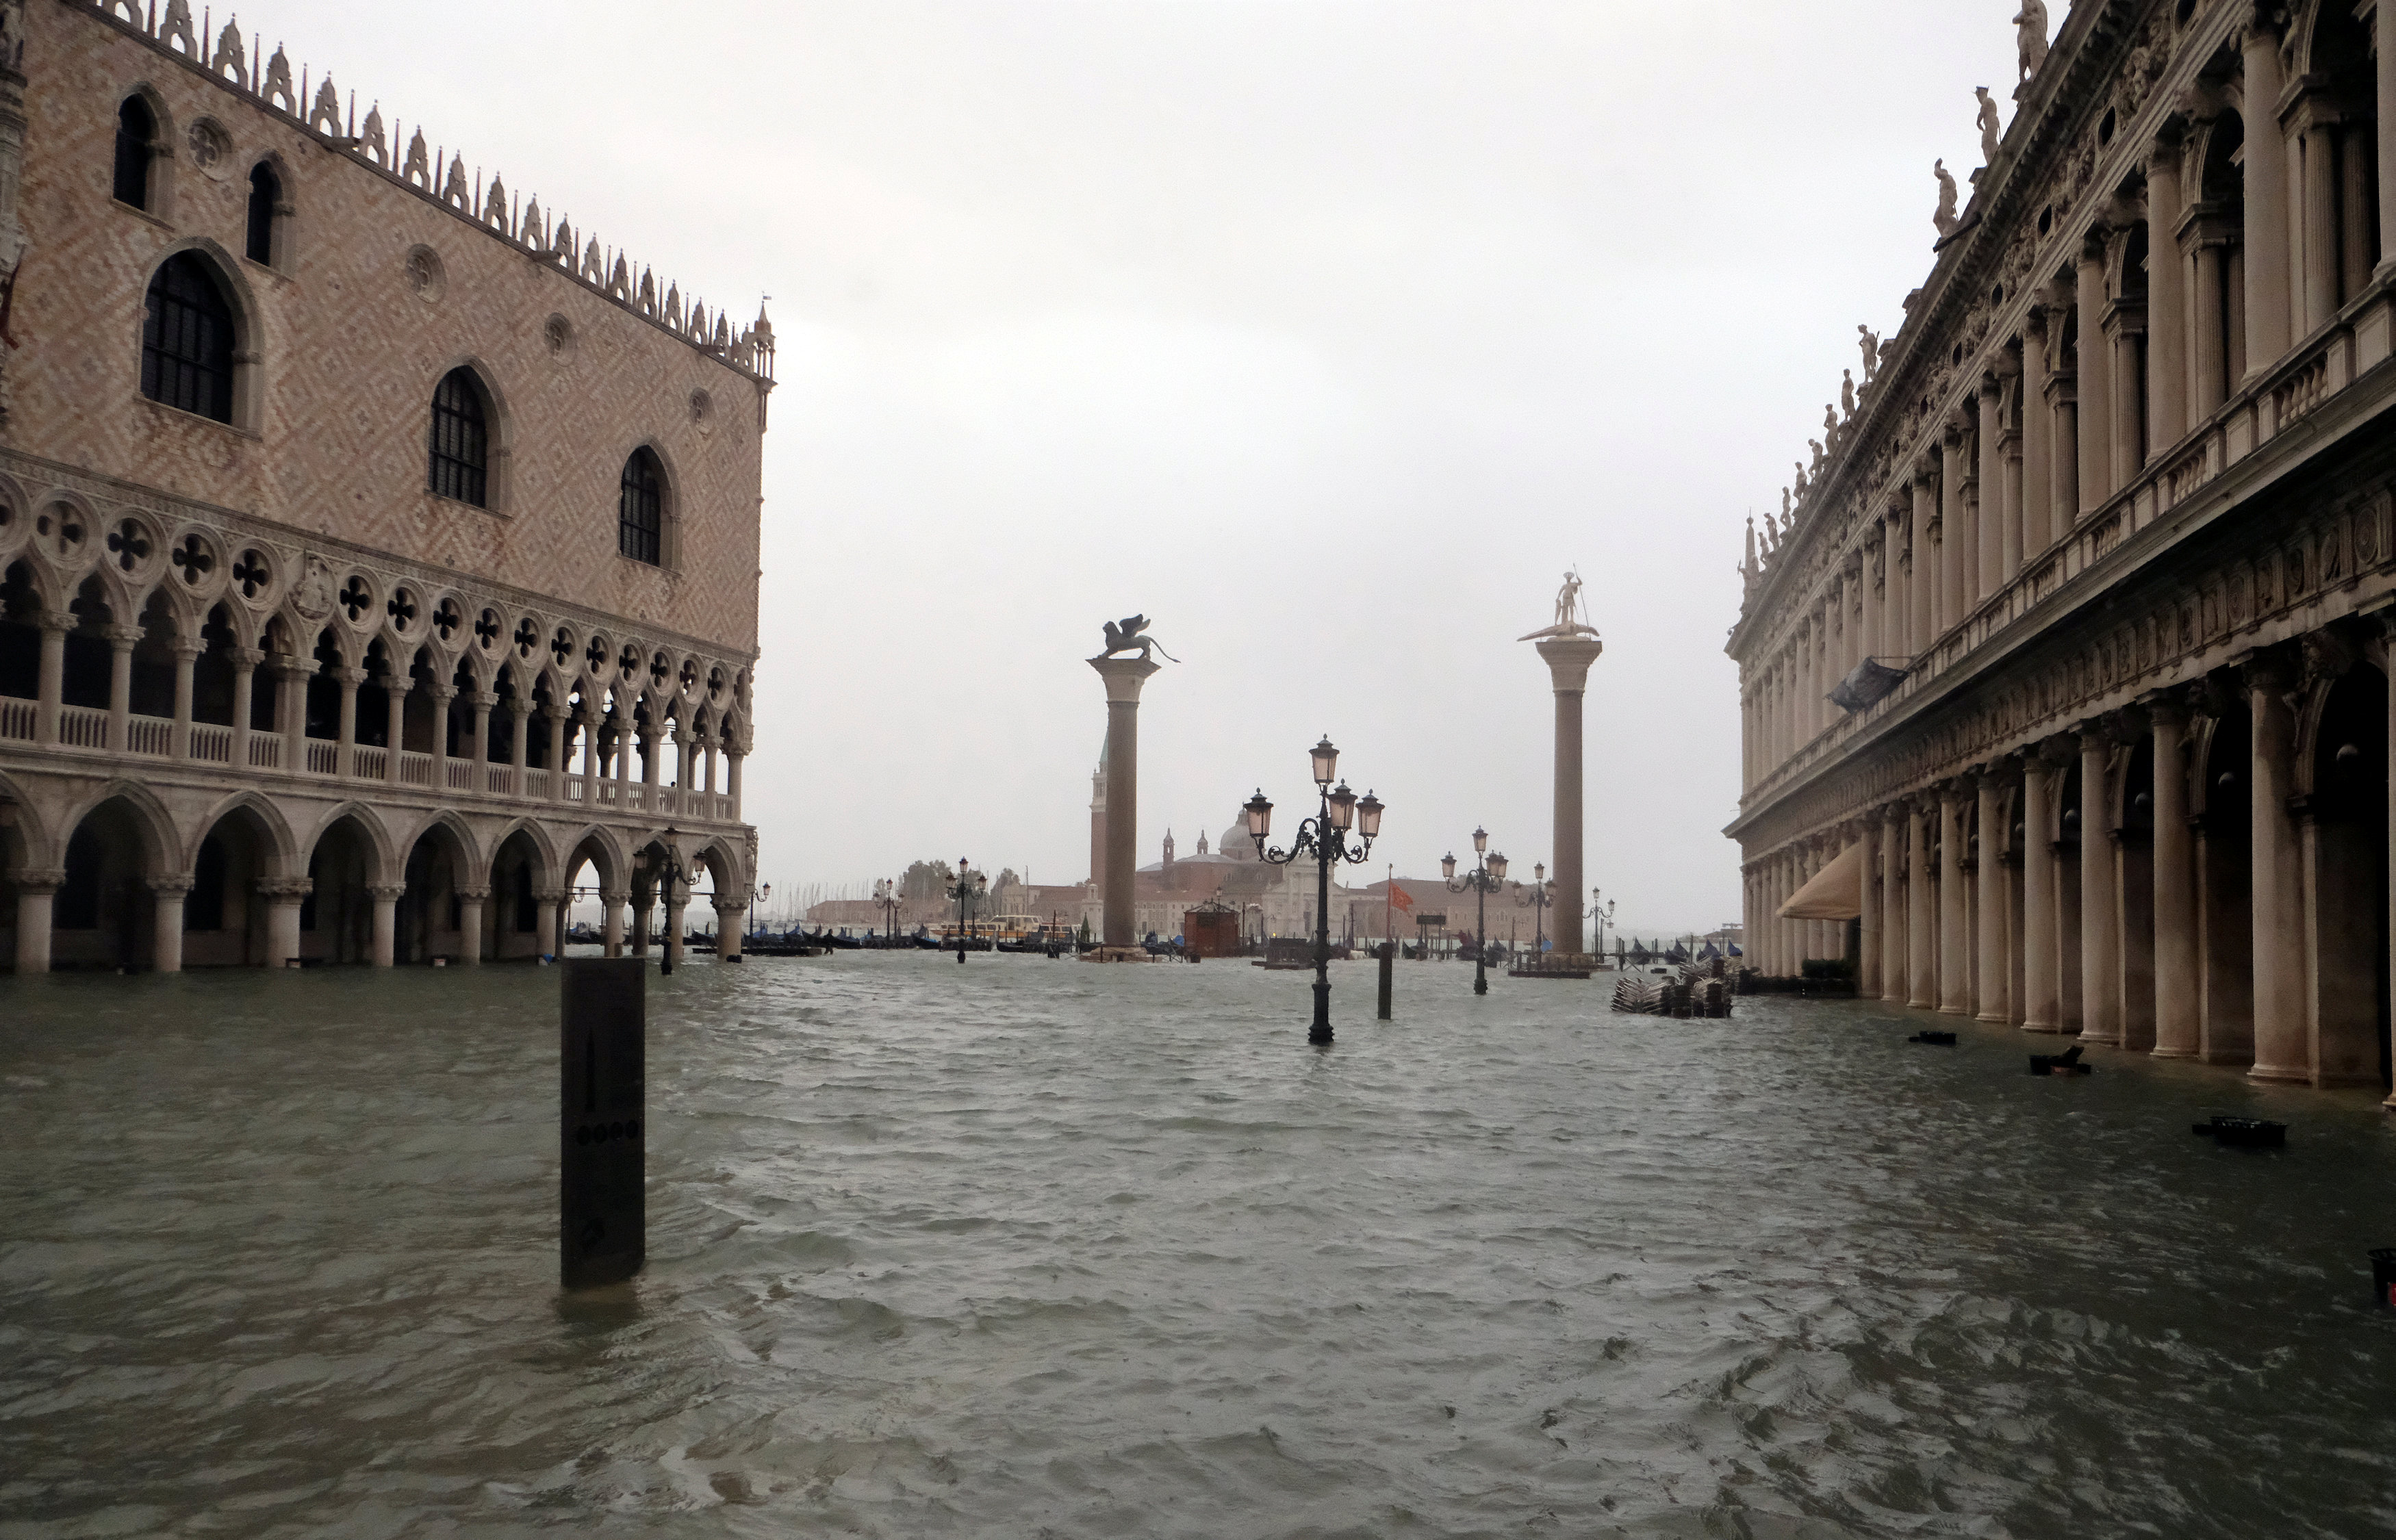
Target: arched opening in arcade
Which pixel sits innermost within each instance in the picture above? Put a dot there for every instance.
(2345, 830)
(590, 878)
(225, 915)
(103, 914)
(431, 918)
(517, 926)
(337, 918)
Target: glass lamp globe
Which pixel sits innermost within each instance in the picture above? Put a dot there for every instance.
(1368, 817)
(1498, 867)
(1259, 814)
(1447, 866)
(1343, 808)
(1326, 762)
(1479, 841)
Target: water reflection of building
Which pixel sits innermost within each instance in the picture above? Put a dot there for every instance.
(2069, 679)
(406, 564)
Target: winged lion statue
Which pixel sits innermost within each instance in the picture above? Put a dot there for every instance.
(1131, 633)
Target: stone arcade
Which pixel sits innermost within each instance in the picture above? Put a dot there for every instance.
(357, 523)
(2111, 524)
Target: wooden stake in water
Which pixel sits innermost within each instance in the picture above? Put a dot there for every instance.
(1389, 950)
(603, 1219)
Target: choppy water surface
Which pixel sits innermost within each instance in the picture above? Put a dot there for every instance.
(1032, 1248)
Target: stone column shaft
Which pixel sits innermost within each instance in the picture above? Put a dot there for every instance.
(2266, 249)
(346, 731)
(1868, 963)
(1924, 624)
(394, 724)
(730, 920)
(1994, 1003)
(2320, 152)
(2282, 1052)
(51, 695)
(121, 640)
(470, 923)
(2174, 899)
(2100, 905)
(1568, 659)
(2042, 971)
(2166, 305)
(1919, 918)
(612, 921)
(1123, 677)
(35, 892)
(186, 656)
(166, 925)
(1954, 943)
(386, 919)
(2384, 55)
(556, 755)
(1892, 907)
(1954, 535)
(2038, 437)
(2095, 390)
(245, 682)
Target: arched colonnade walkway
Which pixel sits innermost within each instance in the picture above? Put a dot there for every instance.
(114, 873)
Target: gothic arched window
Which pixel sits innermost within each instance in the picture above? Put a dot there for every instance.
(186, 339)
(458, 455)
(136, 130)
(265, 192)
(640, 508)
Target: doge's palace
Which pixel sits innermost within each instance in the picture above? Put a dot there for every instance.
(377, 550)
(2065, 671)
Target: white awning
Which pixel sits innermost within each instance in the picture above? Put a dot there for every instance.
(1836, 892)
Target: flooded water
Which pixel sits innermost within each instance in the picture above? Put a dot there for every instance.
(1032, 1248)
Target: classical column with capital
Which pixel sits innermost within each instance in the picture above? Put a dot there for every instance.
(284, 895)
(1994, 1003)
(469, 923)
(731, 919)
(2041, 953)
(2282, 1052)
(1868, 961)
(1123, 677)
(611, 911)
(346, 737)
(1892, 904)
(166, 933)
(1954, 941)
(187, 655)
(50, 693)
(1568, 659)
(2100, 908)
(2265, 168)
(2384, 53)
(1921, 918)
(36, 886)
(386, 918)
(2096, 449)
(2166, 299)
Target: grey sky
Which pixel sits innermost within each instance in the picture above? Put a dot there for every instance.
(1326, 332)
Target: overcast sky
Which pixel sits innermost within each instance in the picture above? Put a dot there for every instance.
(1326, 332)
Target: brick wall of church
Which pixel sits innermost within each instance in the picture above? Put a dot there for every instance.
(347, 352)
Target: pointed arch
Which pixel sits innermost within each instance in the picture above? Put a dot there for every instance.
(383, 851)
(281, 844)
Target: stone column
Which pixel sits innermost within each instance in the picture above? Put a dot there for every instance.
(1954, 531)
(1955, 942)
(245, 679)
(612, 921)
(520, 709)
(2042, 968)
(186, 655)
(442, 696)
(291, 676)
(641, 900)
(677, 906)
(733, 755)
(556, 755)
(649, 768)
(1994, 1006)
(2007, 459)
(683, 742)
(1568, 659)
(2038, 437)
(1921, 983)
(1868, 961)
(1124, 678)
(1927, 625)
(2266, 252)
(121, 641)
(2167, 301)
(345, 761)
(395, 688)
(2095, 377)
(2282, 1052)
(469, 923)
(2063, 432)
(54, 625)
(166, 922)
(2384, 54)
(2101, 905)
(593, 756)
(2122, 373)
(36, 887)
(1892, 906)
(284, 895)
(546, 905)
(731, 919)
(386, 919)
(478, 780)
(1993, 490)
(2175, 880)
(2317, 121)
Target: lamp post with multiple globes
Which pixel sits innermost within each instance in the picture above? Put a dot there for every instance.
(1487, 876)
(1537, 896)
(1603, 913)
(968, 891)
(1324, 837)
(886, 894)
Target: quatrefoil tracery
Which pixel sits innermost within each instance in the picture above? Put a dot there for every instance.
(129, 543)
(355, 599)
(402, 610)
(487, 629)
(447, 619)
(252, 573)
(527, 637)
(193, 560)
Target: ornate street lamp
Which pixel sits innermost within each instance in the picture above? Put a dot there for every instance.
(968, 891)
(1603, 913)
(1536, 897)
(886, 893)
(1487, 876)
(1324, 837)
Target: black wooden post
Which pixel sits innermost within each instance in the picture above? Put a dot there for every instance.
(1389, 950)
(602, 1230)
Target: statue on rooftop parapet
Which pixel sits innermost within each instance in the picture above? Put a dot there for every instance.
(1132, 632)
(1869, 342)
(1945, 218)
(2030, 28)
(1847, 392)
(1988, 126)
(1819, 455)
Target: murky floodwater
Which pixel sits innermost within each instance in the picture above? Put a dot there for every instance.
(1034, 1248)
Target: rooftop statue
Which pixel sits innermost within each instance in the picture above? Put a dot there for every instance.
(1570, 615)
(1988, 126)
(1830, 421)
(1130, 633)
(1945, 218)
(2032, 27)
(1847, 392)
(1801, 481)
(1869, 342)
(1816, 444)
(1784, 506)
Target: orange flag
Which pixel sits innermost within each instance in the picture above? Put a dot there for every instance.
(1402, 898)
